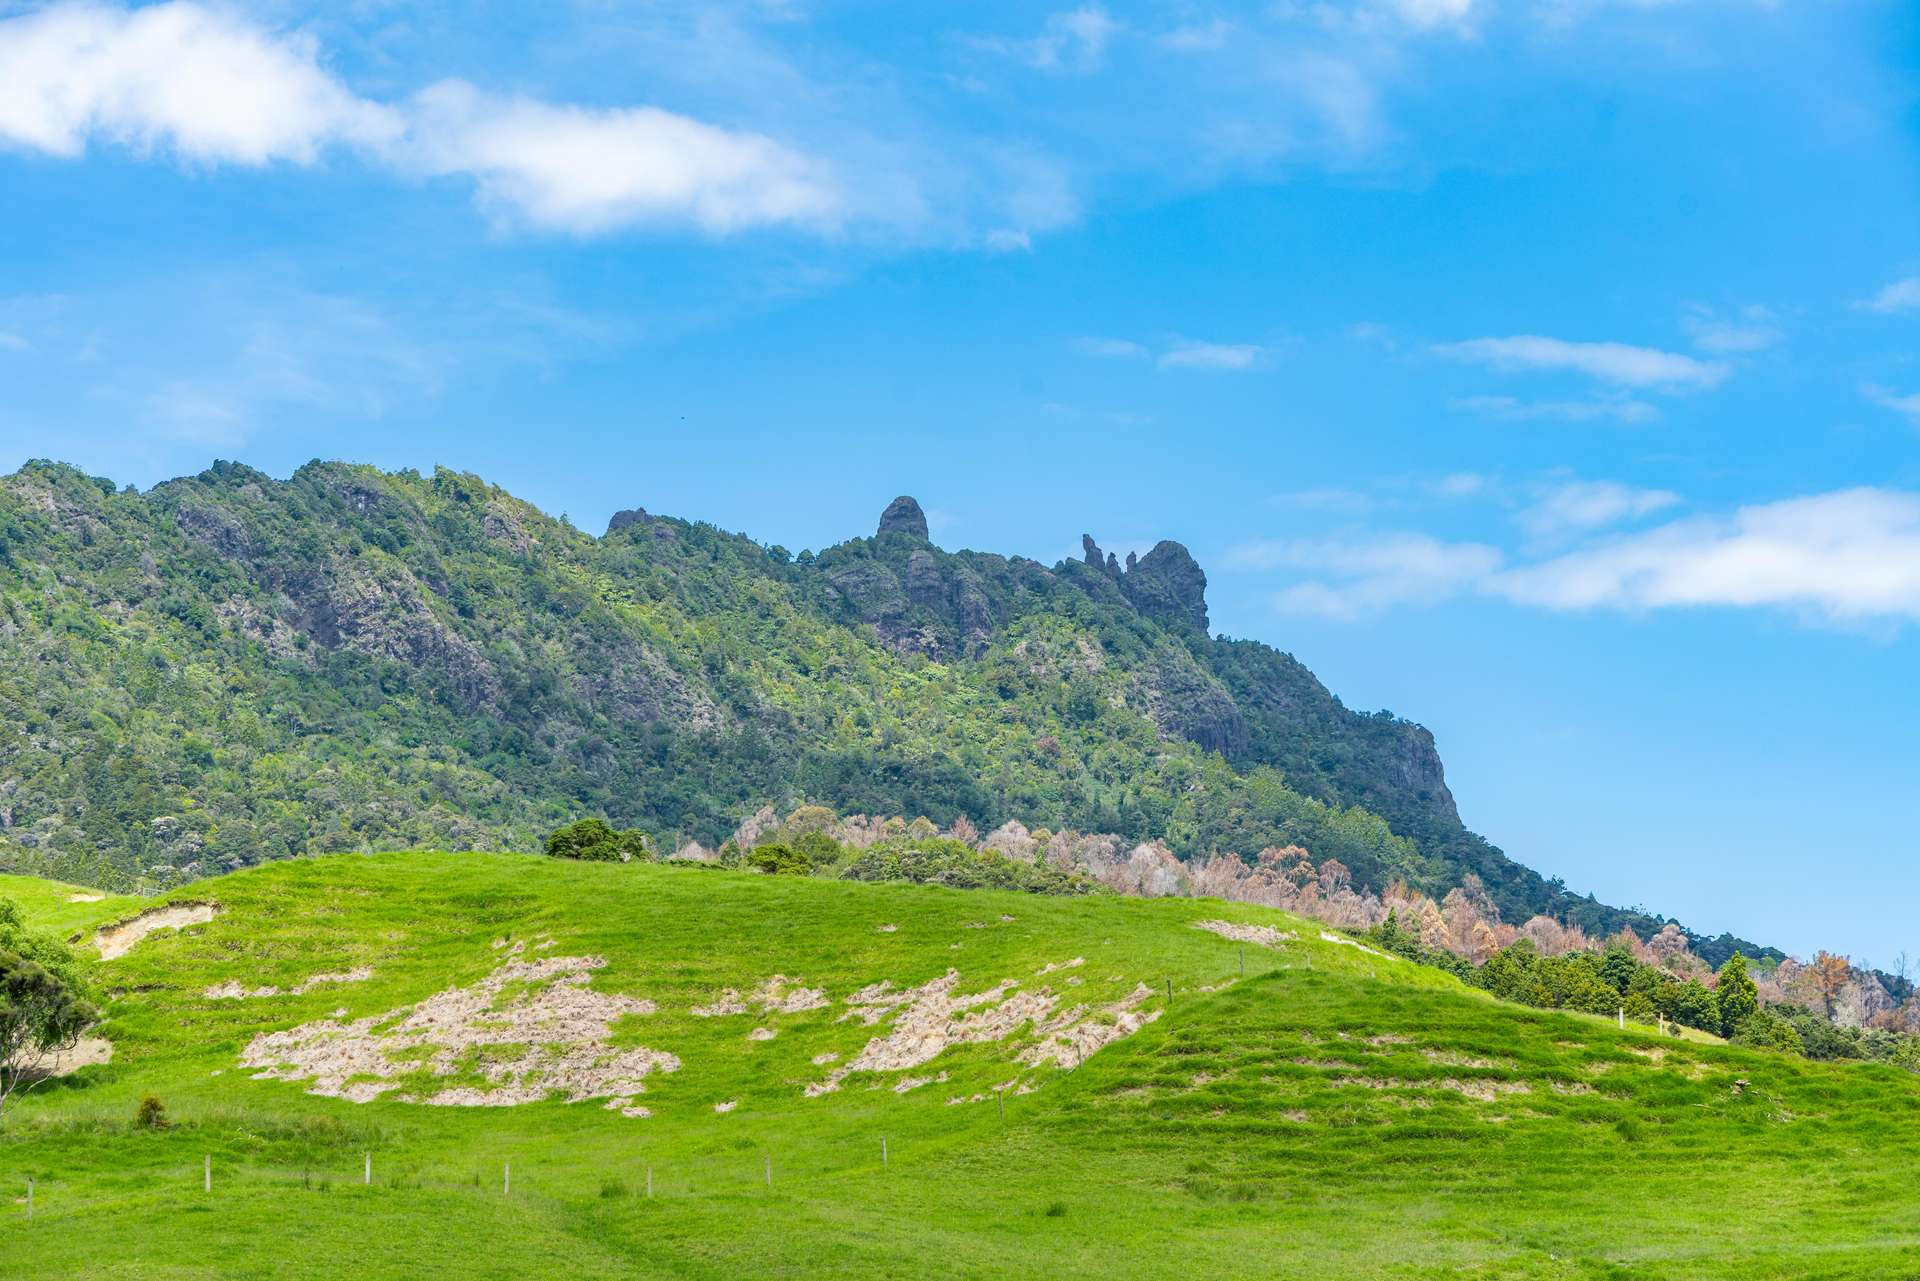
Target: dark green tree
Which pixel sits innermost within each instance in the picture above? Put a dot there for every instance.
(1738, 997)
(40, 1016)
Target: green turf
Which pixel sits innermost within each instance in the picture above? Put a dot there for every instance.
(1331, 1114)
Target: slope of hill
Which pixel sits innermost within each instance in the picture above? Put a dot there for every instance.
(230, 668)
(1176, 1099)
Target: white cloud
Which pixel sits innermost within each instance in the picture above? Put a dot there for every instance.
(211, 88)
(175, 77)
(1370, 573)
(1850, 556)
(1187, 354)
(587, 171)
(1577, 506)
(1901, 295)
(1749, 329)
(1619, 410)
(1908, 404)
(1111, 348)
(1610, 362)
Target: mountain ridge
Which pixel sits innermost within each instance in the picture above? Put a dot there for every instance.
(227, 667)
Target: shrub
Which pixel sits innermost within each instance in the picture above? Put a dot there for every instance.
(1766, 1031)
(151, 1114)
(778, 859)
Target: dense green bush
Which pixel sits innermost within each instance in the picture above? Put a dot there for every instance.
(596, 841)
(938, 861)
(779, 859)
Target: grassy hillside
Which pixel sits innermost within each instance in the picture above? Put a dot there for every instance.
(1331, 1112)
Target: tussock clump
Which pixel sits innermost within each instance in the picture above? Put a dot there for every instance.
(1264, 935)
(1454, 1058)
(234, 991)
(528, 1030)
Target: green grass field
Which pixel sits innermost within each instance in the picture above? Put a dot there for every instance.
(1328, 1114)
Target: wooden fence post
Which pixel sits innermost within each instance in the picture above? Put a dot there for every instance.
(29, 1198)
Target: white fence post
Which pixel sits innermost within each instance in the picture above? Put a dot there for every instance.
(206, 1173)
(366, 1170)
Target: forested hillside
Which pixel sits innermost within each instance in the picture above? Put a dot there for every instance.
(229, 668)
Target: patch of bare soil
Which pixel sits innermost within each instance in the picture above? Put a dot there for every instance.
(88, 1051)
(778, 995)
(1070, 1037)
(119, 938)
(85, 898)
(1052, 966)
(928, 1019)
(1328, 936)
(234, 991)
(1264, 935)
(530, 1029)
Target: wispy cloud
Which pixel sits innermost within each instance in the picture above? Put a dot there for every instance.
(1111, 348)
(1611, 362)
(1072, 40)
(1511, 409)
(1747, 330)
(1189, 354)
(1578, 506)
(1364, 575)
(1907, 404)
(1179, 353)
(1901, 295)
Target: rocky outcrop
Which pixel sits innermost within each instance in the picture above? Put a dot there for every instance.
(1166, 584)
(903, 516)
(627, 519)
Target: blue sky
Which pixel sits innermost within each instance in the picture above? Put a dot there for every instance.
(1541, 371)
